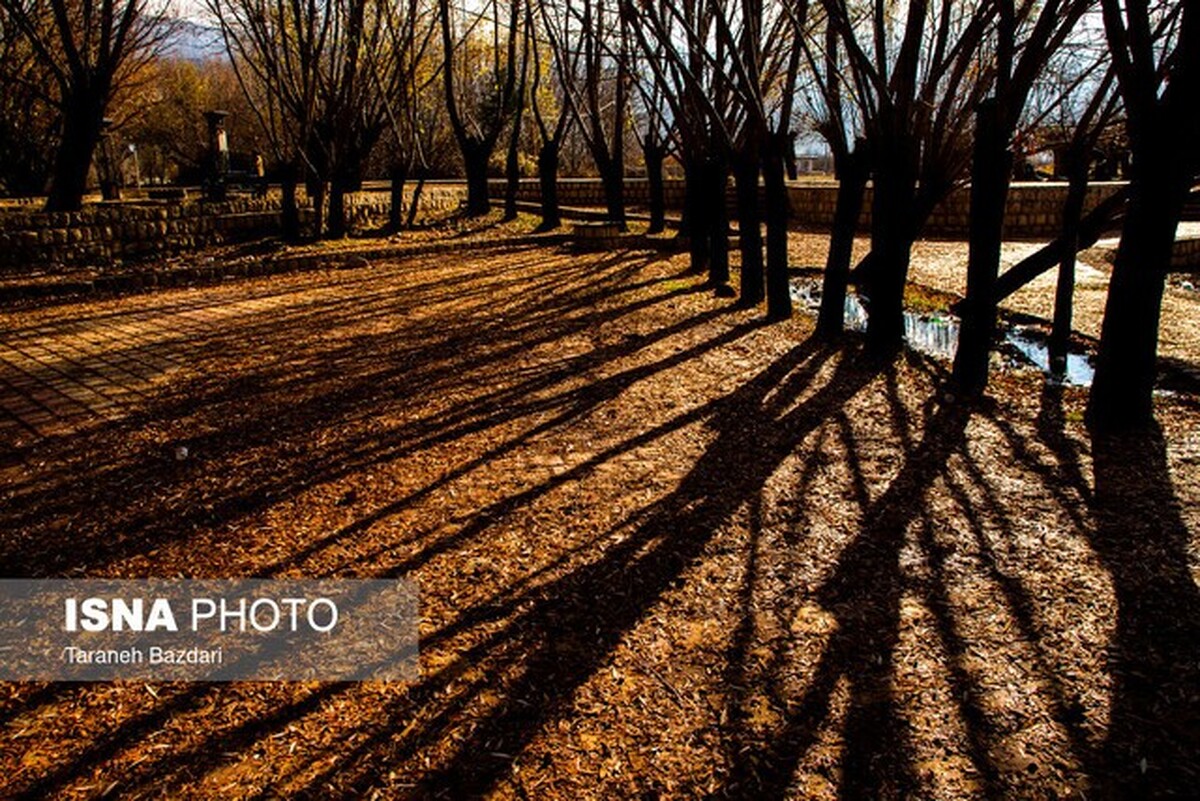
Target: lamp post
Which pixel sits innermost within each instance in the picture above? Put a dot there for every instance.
(137, 166)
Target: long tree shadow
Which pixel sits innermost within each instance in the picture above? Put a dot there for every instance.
(573, 403)
(579, 619)
(1153, 744)
(514, 656)
(564, 633)
(561, 640)
(336, 396)
(863, 595)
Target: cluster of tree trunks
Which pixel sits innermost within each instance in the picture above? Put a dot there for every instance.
(717, 85)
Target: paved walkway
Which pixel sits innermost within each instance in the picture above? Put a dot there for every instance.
(65, 368)
(59, 376)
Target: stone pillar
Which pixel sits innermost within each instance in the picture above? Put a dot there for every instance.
(110, 185)
(218, 155)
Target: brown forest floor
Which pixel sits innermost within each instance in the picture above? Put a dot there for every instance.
(664, 550)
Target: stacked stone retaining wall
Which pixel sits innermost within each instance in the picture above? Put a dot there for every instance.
(1034, 210)
(31, 239)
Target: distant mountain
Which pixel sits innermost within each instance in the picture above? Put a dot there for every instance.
(196, 41)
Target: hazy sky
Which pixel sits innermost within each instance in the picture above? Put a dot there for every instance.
(193, 10)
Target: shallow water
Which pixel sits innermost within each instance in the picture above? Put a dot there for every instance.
(1032, 345)
(937, 335)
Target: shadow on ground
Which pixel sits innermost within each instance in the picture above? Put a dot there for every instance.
(664, 550)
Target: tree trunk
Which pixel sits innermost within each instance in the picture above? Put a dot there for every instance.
(991, 172)
(1126, 366)
(892, 234)
(512, 163)
(1064, 290)
(399, 176)
(512, 186)
(718, 229)
(475, 162)
(685, 212)
(779, 290)
(1091, 227)
(336, 224)
(512, 171)
(746, 167)
(655, 155)
(316, 193)
(82, 121)
(548, 182)
(852, 186)
(612, 177)
(696, 215)
(415, 205)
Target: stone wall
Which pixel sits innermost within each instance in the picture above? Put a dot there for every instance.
(1186, 257)
(1034, 209)
(589, 192)
(369, 209)
(106, 232)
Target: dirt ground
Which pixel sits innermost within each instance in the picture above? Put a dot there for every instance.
(664, 550)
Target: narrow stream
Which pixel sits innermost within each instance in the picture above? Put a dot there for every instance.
(937, 335)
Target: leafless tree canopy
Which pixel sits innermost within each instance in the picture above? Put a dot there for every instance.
(914, 98)
(85, 52)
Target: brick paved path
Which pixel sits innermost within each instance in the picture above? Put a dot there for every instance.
(61, 375)
(69, 366)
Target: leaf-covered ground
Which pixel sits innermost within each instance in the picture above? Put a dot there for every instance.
(664, 550)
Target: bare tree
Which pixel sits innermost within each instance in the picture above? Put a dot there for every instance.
(512, 162)
(1025, 37)
(699, 98)
(916, 76)
(673, 40)
(328, 74)
(358, 82)
(88, 49)
(764, 58)
(276, 49)
(835, 115)
(404, 80)
(1079, 108)
(654, 132)
(590, 41)
(479, 71)
(1159, 80)
(728, 74)
(553, 117)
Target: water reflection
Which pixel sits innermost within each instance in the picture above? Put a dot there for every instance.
(1032, 345)
(937, 334)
